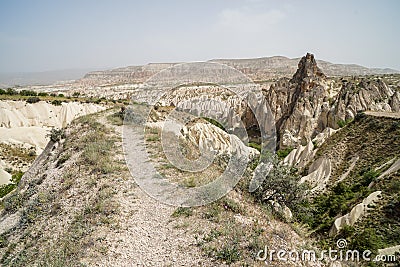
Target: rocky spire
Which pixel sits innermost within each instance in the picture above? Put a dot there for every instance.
(307, 72)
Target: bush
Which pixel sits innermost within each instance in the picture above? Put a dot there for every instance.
(2, 92)
(342, 123)
(255, 146)
(11, 91)
(282, 153)
(182, 211)
(32, 100)
(229, 253)
(56, 102)
(28, 93)
(43, 94)
(281, 186)
(56, 134)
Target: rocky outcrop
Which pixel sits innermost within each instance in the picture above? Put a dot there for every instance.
(307, 72)
(300, 156)
(22, 114)
(318, 174)
(26, 125)
(209, 137)
(4, 176)
(356, 213)
(395, 102)
(309, 103)
(356, 96)
(301, 105)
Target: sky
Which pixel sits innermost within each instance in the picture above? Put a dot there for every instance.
(60, 34)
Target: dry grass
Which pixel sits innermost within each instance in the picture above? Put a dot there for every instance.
(70, 201)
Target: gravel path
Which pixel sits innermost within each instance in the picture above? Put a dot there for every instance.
(383, 114)
(147, 234)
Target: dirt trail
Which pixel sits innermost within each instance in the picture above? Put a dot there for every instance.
(384, 114)
(147, 234)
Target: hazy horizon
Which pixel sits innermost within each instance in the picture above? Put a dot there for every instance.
(40, 36)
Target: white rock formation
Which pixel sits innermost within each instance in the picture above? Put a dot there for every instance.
(318, 174)
(28, 124)
(355, 214)
(209, 137)
(19, 113)
(4, 176)
(300, 156)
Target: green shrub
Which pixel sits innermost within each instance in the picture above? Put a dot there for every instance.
(32, 100)
(11, 91)
(56, 102)
(56, 134)
(281, 186)
(229, 253)
(28, 93)
(182, 211)
(282, 153)
(63, 159)
(367, 239)
(342, 123)
(255, 145)
(13, 202)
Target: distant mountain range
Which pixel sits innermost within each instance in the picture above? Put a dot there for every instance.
(265, 68)
(257, 68)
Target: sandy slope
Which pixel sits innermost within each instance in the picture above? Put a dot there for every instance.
(28, 124)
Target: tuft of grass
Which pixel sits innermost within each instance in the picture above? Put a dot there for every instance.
(190, 182)
(116, 118)
(255, 145)
(282, 153)
(153, 138)
(182, 212)
(63, 159)
(229, 253)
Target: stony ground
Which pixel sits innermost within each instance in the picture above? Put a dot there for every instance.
(79, 206)
(147, 234)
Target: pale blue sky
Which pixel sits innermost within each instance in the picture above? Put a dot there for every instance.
(51, 35)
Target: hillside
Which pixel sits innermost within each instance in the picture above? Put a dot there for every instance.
(266, 68)
(361, 163)
(78, 205)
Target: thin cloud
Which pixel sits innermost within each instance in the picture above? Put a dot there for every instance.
(246, 20)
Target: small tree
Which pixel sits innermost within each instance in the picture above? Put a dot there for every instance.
(56, 134)
(281, 185)
(11, 91)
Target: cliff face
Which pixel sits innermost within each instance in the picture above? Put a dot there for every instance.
(310, 102)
